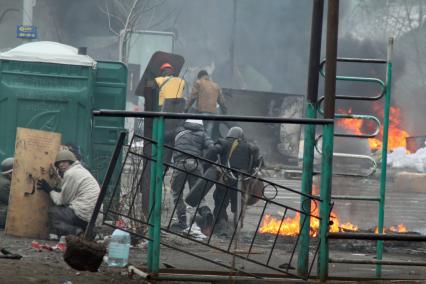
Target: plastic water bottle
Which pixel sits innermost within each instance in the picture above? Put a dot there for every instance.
(118, 249)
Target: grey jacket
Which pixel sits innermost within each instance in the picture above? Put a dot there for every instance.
(192, 139)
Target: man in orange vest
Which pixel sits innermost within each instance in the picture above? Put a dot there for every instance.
(168, 86)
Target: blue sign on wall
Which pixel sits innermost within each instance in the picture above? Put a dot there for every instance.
(29, 32)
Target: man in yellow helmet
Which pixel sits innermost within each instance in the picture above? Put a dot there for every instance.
(168, 86)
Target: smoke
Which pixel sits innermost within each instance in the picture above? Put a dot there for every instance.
(245, 39)
(245, 44)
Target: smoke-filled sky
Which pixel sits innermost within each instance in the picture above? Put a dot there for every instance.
(269, 39)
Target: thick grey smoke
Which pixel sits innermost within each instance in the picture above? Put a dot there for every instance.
(269, 39)
(250, 44)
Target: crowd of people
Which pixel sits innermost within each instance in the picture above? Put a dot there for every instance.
(74, 197)
(194, 139)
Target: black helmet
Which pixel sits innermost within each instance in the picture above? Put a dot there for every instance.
(7, 166)
(235, 132)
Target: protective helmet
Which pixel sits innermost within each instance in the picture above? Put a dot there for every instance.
(195, 121)
(7, 166)
(65, 155)
(235, 132)
(165, 65)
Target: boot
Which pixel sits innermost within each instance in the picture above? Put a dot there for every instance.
(205, 220)
(222, 229)
(180, 225)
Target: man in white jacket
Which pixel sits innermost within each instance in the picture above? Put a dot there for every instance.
(75, 198)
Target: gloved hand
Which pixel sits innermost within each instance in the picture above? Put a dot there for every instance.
(44, 185)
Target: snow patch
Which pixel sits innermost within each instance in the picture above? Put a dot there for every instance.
(399, 158)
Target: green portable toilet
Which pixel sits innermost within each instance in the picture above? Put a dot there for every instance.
(49, 86)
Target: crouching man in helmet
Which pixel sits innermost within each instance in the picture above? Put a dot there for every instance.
(74, 198)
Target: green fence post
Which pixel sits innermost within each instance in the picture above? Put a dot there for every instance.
(158, 195)
(326, 179)
(384, 155)
(328, 133)
(305, 204)
(152, 196)
(309, 133)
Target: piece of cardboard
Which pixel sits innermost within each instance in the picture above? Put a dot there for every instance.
(35, 152)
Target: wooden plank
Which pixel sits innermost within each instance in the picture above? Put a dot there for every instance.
(35, 151)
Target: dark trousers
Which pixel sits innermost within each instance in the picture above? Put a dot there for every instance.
(180, 176)
(63, 221)
(222, 197)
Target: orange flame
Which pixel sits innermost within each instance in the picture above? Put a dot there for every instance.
(290, 226)
(394, 229)
(353, 126)
(396, 135)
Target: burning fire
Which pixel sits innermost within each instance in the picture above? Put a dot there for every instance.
(396, 135)
(394, 229)
(290, 226)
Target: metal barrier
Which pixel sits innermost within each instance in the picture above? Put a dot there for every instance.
(385, 92)
(281, 253)
(364, 80)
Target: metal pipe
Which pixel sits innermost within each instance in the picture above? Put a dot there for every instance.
(158, 195)
(331, 58)
(361, 60)
(367, 80)
(27, 12)
(374, 261)
(325, 193)
(216, 278)
(171, 115)
(104, 188)
(328, 132)
(381, 212)
(315, 50)
(152, 182)
(309, 133)
(375, 237)
(351, 197)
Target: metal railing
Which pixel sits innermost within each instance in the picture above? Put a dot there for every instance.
(158, 222)
(385, 88)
